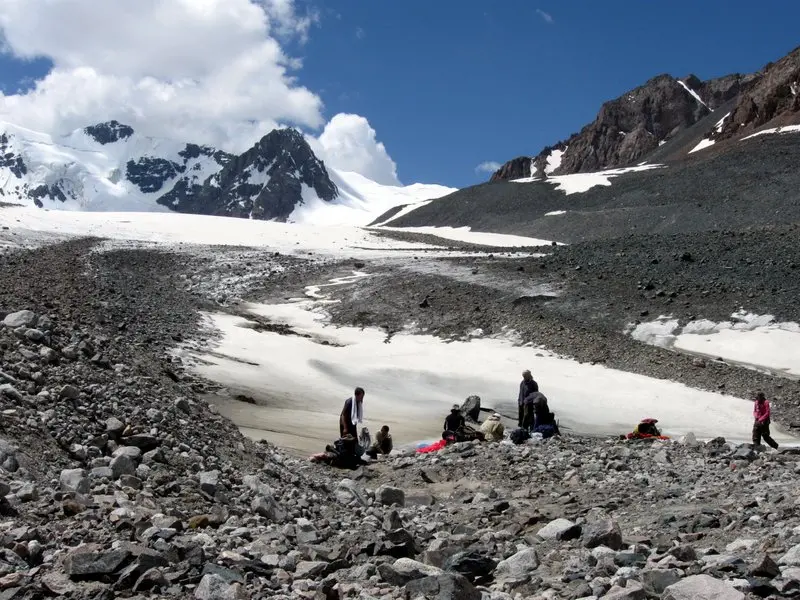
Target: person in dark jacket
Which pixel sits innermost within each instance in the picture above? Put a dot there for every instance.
(352, 414)
(455, 420)
(527, 387)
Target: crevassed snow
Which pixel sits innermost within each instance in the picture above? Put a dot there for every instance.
(704, 143)
(694, 94)
(362, 200)
(465, 234)
(784, 129)
(754, 341)
(412, 380)
(554, 160)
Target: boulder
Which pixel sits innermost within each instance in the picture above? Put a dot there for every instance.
(791, 558)
(471, 409)
(209, 480)
(122, 465)
(472, 564)
(656, 581)
(23, 318)
(69, 392)
(517, 569)
(560, 529)
(80, 564)
(114, 426)
(308, 569)
(74, 480)
(601, 530)
(214, 587)
(632, 591)
(702, 587)
(268, 507)
(442, 587)
(404, 570)
(388, 496)
(764, 566)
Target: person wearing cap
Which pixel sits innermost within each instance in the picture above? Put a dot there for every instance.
(493, 429)
(455, 420)
(761, 415)
(527, 387)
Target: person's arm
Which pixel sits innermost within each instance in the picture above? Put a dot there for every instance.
(342, 417)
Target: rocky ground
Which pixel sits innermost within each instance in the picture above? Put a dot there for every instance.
(117, 480)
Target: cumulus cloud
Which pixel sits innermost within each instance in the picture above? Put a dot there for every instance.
(349, 143)
(488, 166)
(208, 71)
(546, 17)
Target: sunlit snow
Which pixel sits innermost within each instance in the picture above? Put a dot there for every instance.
(694, 94)
(784, 129)
(704, 143)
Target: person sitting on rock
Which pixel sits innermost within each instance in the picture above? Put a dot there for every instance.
(382, 444)
(352, 414)
(527, 387)
(761, 415)
(455, 420)
(493, 429)
(644, 430)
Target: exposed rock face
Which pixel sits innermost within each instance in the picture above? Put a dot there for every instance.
(774, 99)
(109, 132)
(266, 182)
(516, 168)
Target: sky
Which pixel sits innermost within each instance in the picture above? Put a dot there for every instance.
(401, 92)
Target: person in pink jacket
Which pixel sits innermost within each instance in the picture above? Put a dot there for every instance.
(761, 414)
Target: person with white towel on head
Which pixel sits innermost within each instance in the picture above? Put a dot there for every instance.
(352, 414)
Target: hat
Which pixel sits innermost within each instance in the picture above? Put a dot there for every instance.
(456, 407)
(496, 415)
(526, 372)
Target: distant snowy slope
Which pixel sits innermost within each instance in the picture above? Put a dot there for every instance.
(361, 200)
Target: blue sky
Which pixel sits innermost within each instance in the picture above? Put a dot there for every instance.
(450, 84)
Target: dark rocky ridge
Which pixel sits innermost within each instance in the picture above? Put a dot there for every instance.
(263, 183)
(109, 132)
(749, 183)
(632, 126)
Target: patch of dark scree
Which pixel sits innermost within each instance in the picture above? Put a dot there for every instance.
(754, 183)
(601, 288)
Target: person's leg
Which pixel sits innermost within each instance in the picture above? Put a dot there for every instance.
(521, 415)
(756, 434)
(527, 417)
(767, 437)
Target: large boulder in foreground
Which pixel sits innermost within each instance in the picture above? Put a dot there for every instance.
(702, 587)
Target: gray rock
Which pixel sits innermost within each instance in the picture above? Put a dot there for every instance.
(764, 566)
(632, 591)
(307, 569)
(517, 569)
(560, 529)
(102, 473)
(122, 465)
(791, 558)
(306, 532)
(209, 480)
(151, 579)
(442, 587)
(69, 392)
(268, 507)
(93, 564)
(23, 318)
(656, 581)
(5, 489)
(388, 496)
(74, 480)
(214, 587)
(404, 570)
(114, 426)
(347, 491)
(131, 452)
(28, 492)
(34, 335)
(601, 530)
(702, 587)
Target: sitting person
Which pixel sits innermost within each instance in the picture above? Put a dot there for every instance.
(645, 429)
(545, 424)
(455, 420)
(455, 427)
(382, 444)
(342, 454)
(493, 429)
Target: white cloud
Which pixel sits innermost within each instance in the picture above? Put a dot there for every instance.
(546, 17)
(488, 166)
(349, 143)
(209, 71)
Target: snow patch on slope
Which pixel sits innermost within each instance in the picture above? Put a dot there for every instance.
(582, 182)
(554, 160)
(694, 94)
(784, 129)
(362, 200)
(704, 143)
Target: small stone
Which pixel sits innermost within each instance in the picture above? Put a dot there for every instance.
(209, 480)
(23, 318)
(632, 591)
(34, 335)
(446, 586)
(69, 392)
(114, 426)
(404, 570)
(214, 587)
(309, 569)
(268, 507)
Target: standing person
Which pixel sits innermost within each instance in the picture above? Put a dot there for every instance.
(761, 415)
(527, 387)
(352, 414)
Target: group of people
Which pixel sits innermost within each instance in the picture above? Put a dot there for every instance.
(534, 416)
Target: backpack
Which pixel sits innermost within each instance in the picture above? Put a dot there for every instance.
(519, 435)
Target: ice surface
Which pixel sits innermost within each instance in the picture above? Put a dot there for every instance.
(750, 340)
(412, 380)
(784, 129)
(704, 143)
(465, 234)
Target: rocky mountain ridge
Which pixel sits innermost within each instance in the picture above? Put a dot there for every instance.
(109, 166)
(629, 128)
